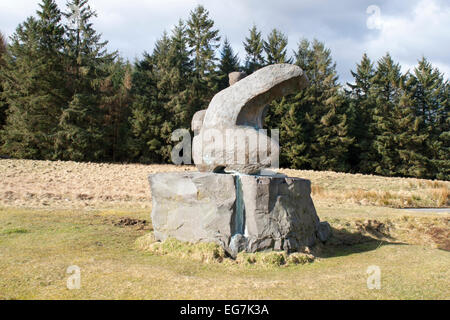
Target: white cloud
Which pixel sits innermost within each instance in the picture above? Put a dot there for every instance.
(409, 28)
(423, 31)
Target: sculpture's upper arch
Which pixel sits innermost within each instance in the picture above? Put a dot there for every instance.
(243, 103)
(238, 111)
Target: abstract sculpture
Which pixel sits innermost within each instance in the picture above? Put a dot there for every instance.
(230, 201)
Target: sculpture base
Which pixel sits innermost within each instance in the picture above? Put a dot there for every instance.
(240, 212)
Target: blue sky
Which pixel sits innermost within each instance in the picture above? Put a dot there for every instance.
(407, 29)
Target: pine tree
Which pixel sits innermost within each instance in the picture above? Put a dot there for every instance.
(151, 119)
(3, 105)
(180, 72)
(175, 77)
(203, 40)
(314, 127)
(3, 48)
(146, 116)
(361, 111)
(275, 48)
(254, 47)
(413, 138)
(431, 107)
(34, 85)
(229, 62)
(395, 126)
(116, 104)
(81, 136)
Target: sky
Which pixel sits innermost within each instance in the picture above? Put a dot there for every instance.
(407, 29)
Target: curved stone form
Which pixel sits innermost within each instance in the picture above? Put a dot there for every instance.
(243, 102)
(243, 106)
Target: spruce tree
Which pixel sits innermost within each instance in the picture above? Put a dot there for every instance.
(254, 47)
(275, 48)
(431, 106)
(394, 121)
(360, 112)
(146, 113)
(166, 92)
(116, 104)
(175, 78)
(314, 127)
(203, 40)
(151, 119)
(81, 136)
(180, 69)
(229, 62)
(34, 86)
(276, 52)
(3, 105)
(3, 48)
(411, 138)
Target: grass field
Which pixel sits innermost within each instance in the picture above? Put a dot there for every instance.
(57, 214)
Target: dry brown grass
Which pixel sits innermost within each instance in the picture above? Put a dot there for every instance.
(431, 231)
(368, 190)
(442, 196)
(44, 184)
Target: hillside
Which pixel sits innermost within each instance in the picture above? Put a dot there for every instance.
(44, 184)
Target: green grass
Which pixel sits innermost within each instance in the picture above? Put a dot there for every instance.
(16, 230)
(37, 247)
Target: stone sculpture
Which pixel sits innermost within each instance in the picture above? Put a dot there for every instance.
(239, 111)
(230, 202)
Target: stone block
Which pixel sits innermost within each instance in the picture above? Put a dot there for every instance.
(240, 212)
(279, 213)
(193, 206)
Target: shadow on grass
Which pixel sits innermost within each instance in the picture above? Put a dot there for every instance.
(344, 242)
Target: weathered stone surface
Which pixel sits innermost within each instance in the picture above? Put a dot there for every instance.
(279, 213)
(236, 77)
(238, 243)
(240, 212)
(197, 121)
(242, 149)
(241, 103)
(324, 231)
(243, 106)
(193, 206)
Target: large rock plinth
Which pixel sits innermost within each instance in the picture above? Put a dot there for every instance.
(240, 212)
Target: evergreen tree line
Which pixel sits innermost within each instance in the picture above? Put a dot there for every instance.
(65, 97)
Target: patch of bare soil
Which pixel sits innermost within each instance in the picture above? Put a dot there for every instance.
(374, 227)
(130, 222)
(441, 237)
